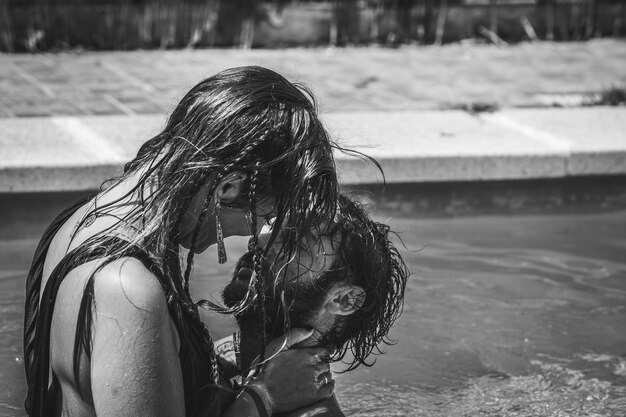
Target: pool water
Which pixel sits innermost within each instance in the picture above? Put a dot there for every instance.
(517, 315)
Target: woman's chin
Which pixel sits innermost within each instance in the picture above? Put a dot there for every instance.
(200, 247)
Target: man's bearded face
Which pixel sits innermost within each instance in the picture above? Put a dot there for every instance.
(300, 288)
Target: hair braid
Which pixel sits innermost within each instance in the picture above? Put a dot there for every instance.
(196, 233)
(254, 246)
(210, 347)
(249, 148)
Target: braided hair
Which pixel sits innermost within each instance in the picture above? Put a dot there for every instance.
(250, 120)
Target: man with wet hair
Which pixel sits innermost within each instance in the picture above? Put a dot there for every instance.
(345, 287)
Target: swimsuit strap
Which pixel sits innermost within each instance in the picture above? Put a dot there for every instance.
(32, 303)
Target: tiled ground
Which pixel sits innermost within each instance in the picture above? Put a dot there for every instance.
(351, 79)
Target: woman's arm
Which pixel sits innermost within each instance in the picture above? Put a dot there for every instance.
(135, 369)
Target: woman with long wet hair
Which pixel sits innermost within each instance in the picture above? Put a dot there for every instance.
(110, 327)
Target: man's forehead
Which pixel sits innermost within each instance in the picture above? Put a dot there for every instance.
(315, 254)
(320, 242)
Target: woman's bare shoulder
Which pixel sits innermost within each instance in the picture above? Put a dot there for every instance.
(135, 344)
(129, 315)
(127, 286)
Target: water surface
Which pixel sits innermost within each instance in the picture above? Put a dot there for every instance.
(504, 316)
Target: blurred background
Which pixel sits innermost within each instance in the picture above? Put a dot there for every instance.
(48, 25)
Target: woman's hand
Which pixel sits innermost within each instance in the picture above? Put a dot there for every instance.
(293, 378)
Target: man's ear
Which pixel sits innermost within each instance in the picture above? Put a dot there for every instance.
(344, 300)
(231, 187)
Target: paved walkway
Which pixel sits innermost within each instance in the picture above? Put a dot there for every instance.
(89, 112)
(350, 79)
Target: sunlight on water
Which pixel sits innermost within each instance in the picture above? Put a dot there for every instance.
(518, 316)
(553, 390)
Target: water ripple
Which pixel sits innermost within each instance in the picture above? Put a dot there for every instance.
(552, 390)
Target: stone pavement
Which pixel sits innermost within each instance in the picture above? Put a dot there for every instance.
(78, 153)
(90, 111)
(346, 79)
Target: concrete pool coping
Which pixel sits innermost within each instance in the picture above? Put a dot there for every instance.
(47, 154)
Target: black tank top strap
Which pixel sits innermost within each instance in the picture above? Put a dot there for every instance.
(32, 341)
